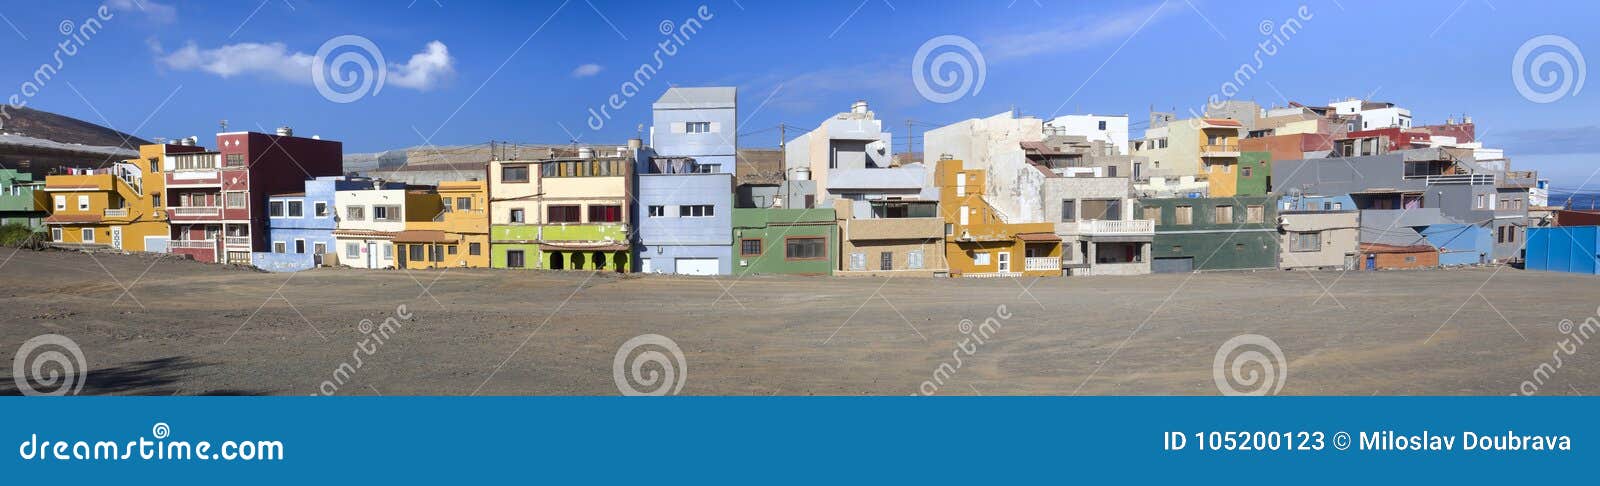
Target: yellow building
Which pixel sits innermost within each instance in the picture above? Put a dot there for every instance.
(448, 227)
(978, 242)
(117, 207)
(1219, 155)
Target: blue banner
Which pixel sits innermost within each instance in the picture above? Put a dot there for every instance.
(979, 440)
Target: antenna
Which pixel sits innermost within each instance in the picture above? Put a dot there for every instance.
(223, 124)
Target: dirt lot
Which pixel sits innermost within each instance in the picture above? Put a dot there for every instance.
(190, 328)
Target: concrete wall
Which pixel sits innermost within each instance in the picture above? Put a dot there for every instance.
(1460, 244)
(773, 227)
(668, 137)
(1236, 244)
(1115, 133)
(1340, 232)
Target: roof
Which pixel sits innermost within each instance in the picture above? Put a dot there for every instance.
(363, 233)
(1222, 122)
(1382, 248)
(759, 166)
(287, 194)
(906, 178)
(1039, 237)
(72, 218)
(423, 236)
(692, 98)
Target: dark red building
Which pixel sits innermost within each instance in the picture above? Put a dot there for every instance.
(217, 200)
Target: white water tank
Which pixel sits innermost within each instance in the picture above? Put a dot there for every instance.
(585, 152)
(285, 131)
(802, 174)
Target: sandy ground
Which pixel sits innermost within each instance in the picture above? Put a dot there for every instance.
(189, 328)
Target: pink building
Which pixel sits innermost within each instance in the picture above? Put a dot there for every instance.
(217, 200)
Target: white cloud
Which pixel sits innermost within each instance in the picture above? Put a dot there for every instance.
(423, 71)
(157, 12)
(586, 70)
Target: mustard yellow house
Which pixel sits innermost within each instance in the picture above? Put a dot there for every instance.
(447, 227)
(117, 207)
(1219, 155)
(978, 241)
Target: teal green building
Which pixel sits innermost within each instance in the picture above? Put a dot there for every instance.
(785, 241)
(1219, 233)
(1255, 173)
(21, 199)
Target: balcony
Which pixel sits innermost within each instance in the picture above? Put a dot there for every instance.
(1219, 150)
(1041, 263)
(117, 213)
(236, 241)
(193, 244)
(1105, 227)
(195, 213)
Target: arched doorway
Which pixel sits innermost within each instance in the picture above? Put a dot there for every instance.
(578, 261)
(557, 261)
(620, 262)
(599, 261)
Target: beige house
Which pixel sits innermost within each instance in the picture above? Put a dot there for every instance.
(1319, 239)
(882, 246)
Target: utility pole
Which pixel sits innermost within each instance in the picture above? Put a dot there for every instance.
(910, 145)
(783, 165)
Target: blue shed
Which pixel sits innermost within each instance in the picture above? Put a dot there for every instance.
(1574, 249)
(1460, 244)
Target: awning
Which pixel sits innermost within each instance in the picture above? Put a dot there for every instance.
(1039, 237)
(423, 236)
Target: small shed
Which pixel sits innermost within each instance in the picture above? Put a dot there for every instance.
(1377, 256)
(1574, 249)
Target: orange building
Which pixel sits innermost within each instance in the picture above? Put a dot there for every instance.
(447, 227)
(978, 241)
(118, 207)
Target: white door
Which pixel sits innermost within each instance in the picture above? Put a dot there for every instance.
(116, 237)
(696, 266)
(1004, 260)
(644, 265)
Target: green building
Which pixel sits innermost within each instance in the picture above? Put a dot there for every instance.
(791, 241)
(595, 246)
(1218, 233)
(1255, 173)
(21, 200)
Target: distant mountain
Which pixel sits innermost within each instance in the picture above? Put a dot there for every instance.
(64, 129)
(38, 142)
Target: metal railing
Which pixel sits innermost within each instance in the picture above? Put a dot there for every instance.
(1042, 263)
(1105, 226)
(196, 211)
(991, 274)
(1461, 179)
(198, 244)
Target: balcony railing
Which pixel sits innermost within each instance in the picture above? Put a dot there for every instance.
(117, 213)
(1116, 227)
(1042, 263)
(197, 244)
(1475, 179)
(236, 241)
(194, 211)
(991, 274)
(1222, 149)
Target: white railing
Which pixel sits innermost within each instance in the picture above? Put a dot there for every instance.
(196, 211)
(1042, 263)
(236, 241)
(991, 274)
(117, 213)
(200, 244)
(1110, 227)
(201, 161)
(1477, 179)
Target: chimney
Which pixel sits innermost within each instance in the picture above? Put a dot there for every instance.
(285, 131)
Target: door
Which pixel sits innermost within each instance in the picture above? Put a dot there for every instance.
(644, 265)
(1003, 259)
(1372, 262)
(696, 266)
(317, 249)
(116, 237)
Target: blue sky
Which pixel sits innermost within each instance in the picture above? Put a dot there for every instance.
(460, 72)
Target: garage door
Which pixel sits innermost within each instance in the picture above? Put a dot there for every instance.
(155, 244)
(696, 266)
(1172, 265)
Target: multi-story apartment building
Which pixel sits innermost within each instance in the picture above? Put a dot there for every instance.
(685, 183)
(889, 221)
(979, 242)
(368, 219)
(300, 225)
(217, 200)
(120, 206)
(563, 213)
(846, 141)
(456, 234)
(22, 200)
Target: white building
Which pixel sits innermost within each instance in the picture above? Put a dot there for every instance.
(1372, 115)
(367, 222)
(1106, 128)
(851, 140)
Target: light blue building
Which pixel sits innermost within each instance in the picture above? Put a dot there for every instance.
(300, 225)
(685, 184)
(1460, 244)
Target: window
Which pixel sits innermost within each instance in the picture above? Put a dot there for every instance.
(1224, 214)
(805, 248)
(88, 235)
(605, 214)
(1254, 214)
(155, 200)
(155, 164)
(886, 261)
(1500, 235)
(1481, 201)
(514, 259)
(1107, 209)
(414, 253)
(750, 247)
(1069, 210)
(55, 234)
(1305, 241)
(388, 250)
(352, 250)
(388, 214)
(474, 249)
(949, 229)
(517, 216)
(463, 203)
(61, 203)
(697, 127)
(321, 209)
(275, 209)
(1244, 172)
(278, 247)
(233, 160)
(450, 249)
(858, 261)
(1153, 214)
(658, 211)
(1102, 124)
(980, 258)
(564, 214)
(1338, 206)
(1183, 215)
(914, 260)
(1238, 247)
(233, 199)
(696, 211)
(447, 205)
(435, 253)
(83, 203)
(355, 213)
(514, 173)
(297, 209)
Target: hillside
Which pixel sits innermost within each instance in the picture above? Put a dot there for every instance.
(57, 128)
(38, 141)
